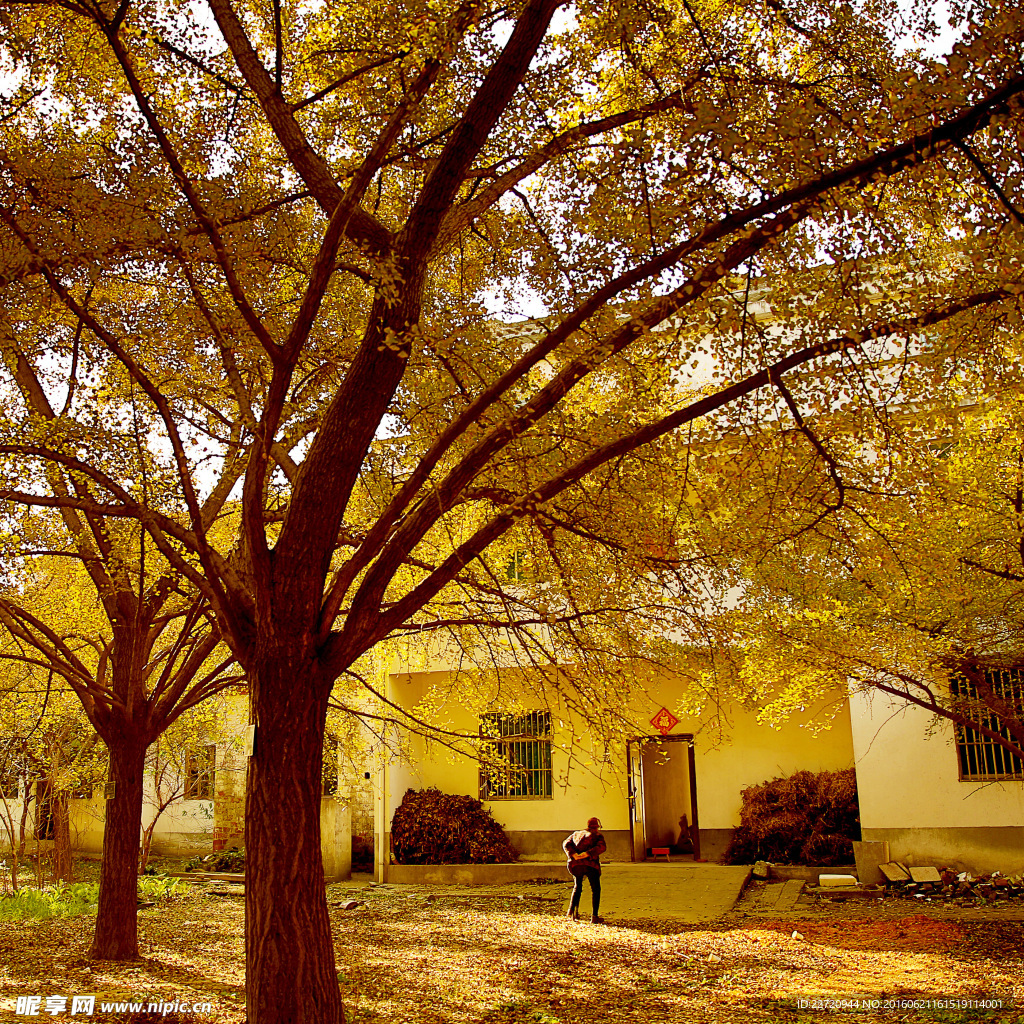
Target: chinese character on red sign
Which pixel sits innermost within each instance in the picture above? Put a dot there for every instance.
(664, 721)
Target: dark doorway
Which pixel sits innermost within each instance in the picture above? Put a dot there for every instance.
(662, 795)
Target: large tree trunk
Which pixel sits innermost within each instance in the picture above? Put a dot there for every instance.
(116, 925)
(289, 954)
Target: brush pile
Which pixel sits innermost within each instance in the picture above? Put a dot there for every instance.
(431, 827)
(804, 818)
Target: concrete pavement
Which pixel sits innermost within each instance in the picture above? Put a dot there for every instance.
(777, 899)
(678, 890)
(681, 891)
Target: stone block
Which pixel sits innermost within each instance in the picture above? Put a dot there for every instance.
(925, 874)
(893, 872)
(833, 881)
(869, 857)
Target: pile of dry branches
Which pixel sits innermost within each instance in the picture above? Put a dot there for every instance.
(806, 818)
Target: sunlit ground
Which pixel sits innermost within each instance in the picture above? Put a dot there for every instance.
(411, 956)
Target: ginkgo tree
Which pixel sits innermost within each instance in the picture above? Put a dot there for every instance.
(275, 244)
(910, 586)
(120, 636)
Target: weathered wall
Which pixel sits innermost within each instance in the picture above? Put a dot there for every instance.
(911, 794)
(228, 808)
(87, 822)
(336, 837)
(358, 764)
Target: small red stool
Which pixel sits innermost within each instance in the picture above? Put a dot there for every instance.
(660, 851)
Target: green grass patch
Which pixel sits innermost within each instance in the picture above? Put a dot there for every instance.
(158, 887)
(79, 898)
(53, 901)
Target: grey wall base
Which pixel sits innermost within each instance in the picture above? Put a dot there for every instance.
(540, 856)
(472, 874)
(713, 843)
(547, 846)
(980, 850)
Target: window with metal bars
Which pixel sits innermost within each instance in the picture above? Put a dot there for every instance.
(516, 759)
(200, 765)
(980, 757)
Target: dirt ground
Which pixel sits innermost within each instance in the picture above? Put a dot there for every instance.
(422, 956)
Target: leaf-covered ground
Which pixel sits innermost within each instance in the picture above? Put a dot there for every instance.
(508, 956)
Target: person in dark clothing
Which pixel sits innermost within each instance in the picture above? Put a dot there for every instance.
(584, 849)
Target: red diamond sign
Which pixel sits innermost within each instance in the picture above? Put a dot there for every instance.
(664, 721)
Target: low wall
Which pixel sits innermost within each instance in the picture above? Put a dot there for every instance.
(546, 846)
(786, 872)
(472, 874)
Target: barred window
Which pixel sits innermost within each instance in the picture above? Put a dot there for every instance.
(980, 757)
(516, 760)
(199, 772)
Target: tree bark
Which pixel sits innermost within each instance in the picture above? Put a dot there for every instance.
(116, 935)
(289, 954)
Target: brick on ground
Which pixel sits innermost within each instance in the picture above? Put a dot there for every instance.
(775, 898)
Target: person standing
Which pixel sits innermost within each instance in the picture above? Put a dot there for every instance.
(584, 849)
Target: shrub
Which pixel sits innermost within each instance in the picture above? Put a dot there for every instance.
(805, 818)
(71, 900)
(227, 860)
(431, 827)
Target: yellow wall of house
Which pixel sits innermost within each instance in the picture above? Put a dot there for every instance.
(586, 784)
(186, 827)
(752, 753)
(87, 822)
(576, 790)
(10, 821)
(908, 777)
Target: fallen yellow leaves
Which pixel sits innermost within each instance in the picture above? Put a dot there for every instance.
(496, 959)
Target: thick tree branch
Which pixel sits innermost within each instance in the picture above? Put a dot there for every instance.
(352, 637)
(469, 136)
(886, 162)
(363, 229)
(460, 217)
